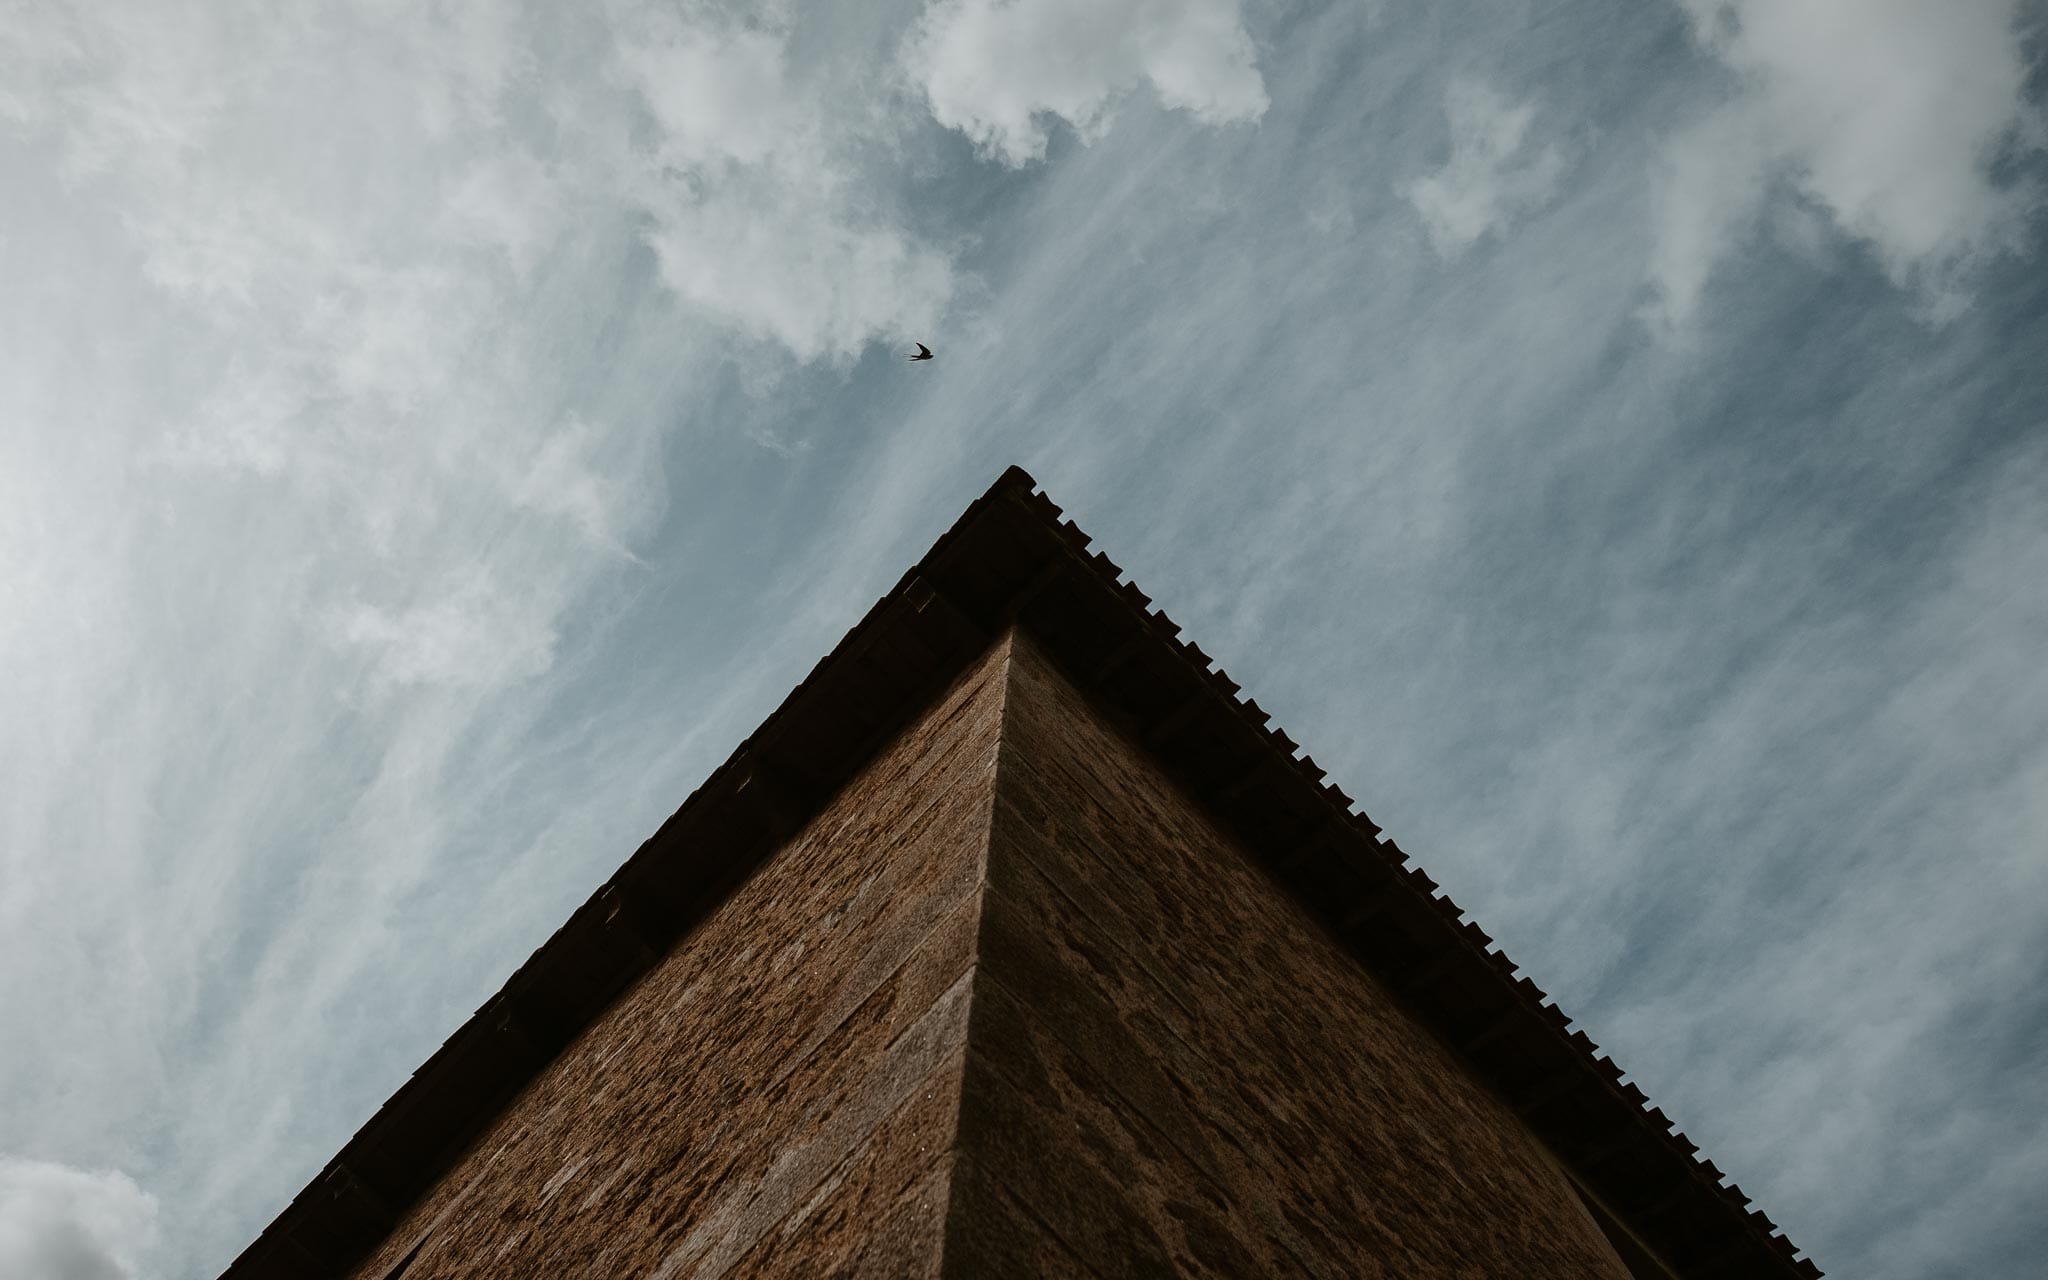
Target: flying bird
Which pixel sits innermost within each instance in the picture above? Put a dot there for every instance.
(923, 352)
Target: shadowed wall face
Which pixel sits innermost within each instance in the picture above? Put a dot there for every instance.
(777, 1096)
(1171, 1067)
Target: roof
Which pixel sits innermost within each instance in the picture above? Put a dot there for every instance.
(1012, 559)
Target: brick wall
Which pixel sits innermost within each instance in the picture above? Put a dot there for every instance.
(1003, 1010)
(1172, 1069)
(777, 1096)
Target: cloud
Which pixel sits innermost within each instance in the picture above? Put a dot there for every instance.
(60, 1223)
(293, 444)
(1491, 176)
(750, 183)
(719, 95)
(991, 69)
(508, 203)
(1939, 696)
(467, 632)
(807, 275)
(1891, 118)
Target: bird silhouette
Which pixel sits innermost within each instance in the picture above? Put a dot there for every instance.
(923, 352)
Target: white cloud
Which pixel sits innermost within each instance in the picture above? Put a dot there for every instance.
(718, 94)
(1492, 175)
(60, 1223)
(758, 220)
(508, 203)
(1886, 116)
(290, 444)
(818, 283)
(991, 69)
(1712, 185)
(572, 479)
(466, 633)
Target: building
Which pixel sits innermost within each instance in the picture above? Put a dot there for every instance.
(1015, 943)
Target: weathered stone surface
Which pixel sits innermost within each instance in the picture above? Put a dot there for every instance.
(769, 1077)
(882, 1211)
(1256, 1102)
(1011, 1005)
(990, 1235)
(1081, 1157)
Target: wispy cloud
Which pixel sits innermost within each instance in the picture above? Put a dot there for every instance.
(1492, 175)
(992, 70)
(1894, 120)
(59, 1223)
(758, 216)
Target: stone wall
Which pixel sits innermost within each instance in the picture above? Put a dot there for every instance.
(1010, 1005)
(1173, 1070)
(778, 1095)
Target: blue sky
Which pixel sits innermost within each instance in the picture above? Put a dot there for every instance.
(1612, 436)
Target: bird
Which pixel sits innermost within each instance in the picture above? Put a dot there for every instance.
(923, 352)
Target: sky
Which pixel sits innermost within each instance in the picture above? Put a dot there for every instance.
(1611, 436)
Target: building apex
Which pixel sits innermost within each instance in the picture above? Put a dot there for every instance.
(1013, 560)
